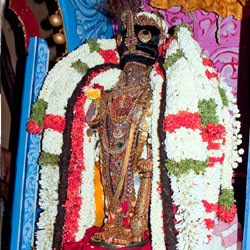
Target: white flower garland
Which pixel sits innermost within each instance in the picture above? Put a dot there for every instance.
(57, 88)
(189, 190)
(62, 79)
(52, 142)
(48, 200)
(87, 189)
(156, 219)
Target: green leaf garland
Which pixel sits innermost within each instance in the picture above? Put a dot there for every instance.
(80, 67)
(207, 111)
(183, 25)
(223, 96)
(172, 59)
(93, 46)
(226, 198)
(48, 159)
(38, 111)
(177, 169)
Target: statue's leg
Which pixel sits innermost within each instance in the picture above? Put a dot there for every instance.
(139, 222)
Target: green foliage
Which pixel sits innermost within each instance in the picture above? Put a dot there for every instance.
(223, 96)
(207, 111)
(93, 46)
(183, 25)
(227, 198)
(172, 59)
(48, 159)
(177, 169)
(80, 67)
(38, 111)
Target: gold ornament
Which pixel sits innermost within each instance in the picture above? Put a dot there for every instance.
(55, 20)
(59, 38)
(119, 39)
(144, 35)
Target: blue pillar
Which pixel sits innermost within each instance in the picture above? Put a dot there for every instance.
(246, 237)
(26, 186)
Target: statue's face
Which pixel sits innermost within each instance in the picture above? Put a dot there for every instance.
(146, 40)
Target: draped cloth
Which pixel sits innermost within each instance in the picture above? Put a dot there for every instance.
(223, 8)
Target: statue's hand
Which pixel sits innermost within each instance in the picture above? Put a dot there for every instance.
(145, 165)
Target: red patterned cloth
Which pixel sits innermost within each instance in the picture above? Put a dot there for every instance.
(230, 234)
(85, 243)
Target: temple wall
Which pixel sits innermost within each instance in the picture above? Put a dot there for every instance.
(218, 37)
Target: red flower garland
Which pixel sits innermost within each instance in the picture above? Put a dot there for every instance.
(182, 119)
(55, 122)
(159, 70)
(227, 216)
(213, 160)
(209, 237)
(209, 223)
(207, 62)
(210, 207)
(163, 47)
(109, 56)
(76, 166)
(211, 75)
(213, 132)
(33, 128)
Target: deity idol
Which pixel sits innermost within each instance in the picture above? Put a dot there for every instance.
(149, 115)
(120, 118)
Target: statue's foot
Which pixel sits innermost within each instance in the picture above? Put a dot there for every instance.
(113, 236)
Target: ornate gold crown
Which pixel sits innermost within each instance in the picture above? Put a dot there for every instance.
(130, 19)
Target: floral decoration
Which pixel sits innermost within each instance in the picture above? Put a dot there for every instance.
(34, 128)
(49, 115)
(54, 122)
(227, 215)
(203, 123)
(93, 92)
(201, 130)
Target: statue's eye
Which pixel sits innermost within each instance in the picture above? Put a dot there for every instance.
(144, 35)
(129, 71)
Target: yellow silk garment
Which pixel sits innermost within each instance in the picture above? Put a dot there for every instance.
(99, 197)
(223, 8)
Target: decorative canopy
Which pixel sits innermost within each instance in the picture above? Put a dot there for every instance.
(223, 8)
